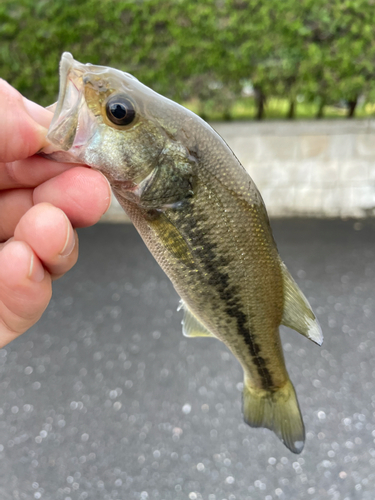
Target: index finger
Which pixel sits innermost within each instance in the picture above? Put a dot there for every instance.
(21, 135)
(30, 172)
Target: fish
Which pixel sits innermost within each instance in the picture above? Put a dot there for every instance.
(203, 219)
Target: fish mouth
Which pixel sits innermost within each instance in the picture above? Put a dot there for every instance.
(72, 124)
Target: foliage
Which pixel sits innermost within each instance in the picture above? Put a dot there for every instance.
(319, 51)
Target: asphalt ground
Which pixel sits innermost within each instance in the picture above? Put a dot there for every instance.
(105, 399)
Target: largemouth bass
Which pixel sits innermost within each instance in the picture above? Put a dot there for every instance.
(202, 218)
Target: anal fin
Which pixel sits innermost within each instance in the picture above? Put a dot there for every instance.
(297, 311)
(191, 326)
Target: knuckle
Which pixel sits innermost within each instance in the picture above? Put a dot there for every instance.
(13, 173)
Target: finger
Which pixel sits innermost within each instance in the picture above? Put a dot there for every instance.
(49, 233)
(29, 172)
(20, 135)
(82, 193)
(85, 205)
(13, 205)
(25, 290)
(41, 115)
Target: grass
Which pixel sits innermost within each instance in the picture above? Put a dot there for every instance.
(276, 109)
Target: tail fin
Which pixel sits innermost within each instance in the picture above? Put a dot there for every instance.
(278, 411)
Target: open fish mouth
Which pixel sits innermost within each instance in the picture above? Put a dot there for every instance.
(72, 124)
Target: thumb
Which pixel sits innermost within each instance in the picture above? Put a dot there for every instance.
(23, 126)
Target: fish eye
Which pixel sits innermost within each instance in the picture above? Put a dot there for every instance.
(120, 110)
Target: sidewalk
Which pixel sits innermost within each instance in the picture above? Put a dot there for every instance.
(105, 399)
(304, 168)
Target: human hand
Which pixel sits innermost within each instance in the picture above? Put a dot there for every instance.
(41, 201)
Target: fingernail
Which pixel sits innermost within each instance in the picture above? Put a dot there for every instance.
(36, 271)
(39, 114)
(52, 107)
(69, 242)
(109, 198)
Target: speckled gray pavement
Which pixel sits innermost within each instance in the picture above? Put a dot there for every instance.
(105, 399)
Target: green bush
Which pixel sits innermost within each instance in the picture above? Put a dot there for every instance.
(203, 53)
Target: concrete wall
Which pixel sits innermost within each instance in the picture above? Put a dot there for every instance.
(305, 168)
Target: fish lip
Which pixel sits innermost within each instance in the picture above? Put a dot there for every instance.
(71, 126)
(66, 63)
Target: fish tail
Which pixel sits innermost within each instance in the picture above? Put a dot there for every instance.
(277, 410)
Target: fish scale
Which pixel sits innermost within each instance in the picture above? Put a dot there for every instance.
(203, 219)
(237, 299)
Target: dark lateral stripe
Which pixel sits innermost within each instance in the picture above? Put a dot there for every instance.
(213, 263)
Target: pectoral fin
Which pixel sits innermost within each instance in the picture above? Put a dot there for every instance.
(297, 311)
(191, 326)
(172, 239)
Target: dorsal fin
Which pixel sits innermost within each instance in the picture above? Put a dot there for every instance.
(191, 326)
(297, 311)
